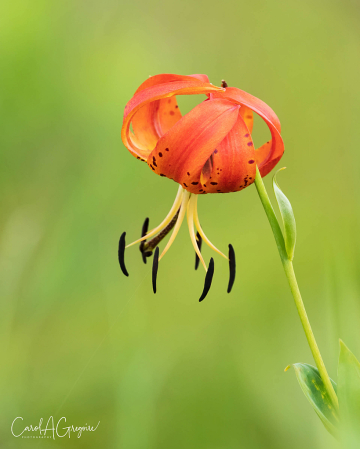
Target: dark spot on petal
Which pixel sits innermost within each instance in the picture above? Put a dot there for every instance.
(195, 183)
(172, 112)
(268, 142)
(247, 135)
(188, 173)
(250, 178)
(162, 175)
(213, 183)
(218, 190)
(166, 149)
(184, 184)
(152, 168)
(201, 190)
(176, 106)
(204, 185)
(251, 161)
(154, 161)
(160, 154)
(249, 144)
(138, 157)
(215, 151)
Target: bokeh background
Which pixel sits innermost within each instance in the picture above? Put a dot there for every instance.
(80, 340)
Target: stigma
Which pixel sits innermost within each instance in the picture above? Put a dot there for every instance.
(185, 204)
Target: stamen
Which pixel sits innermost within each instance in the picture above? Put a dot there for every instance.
(145, 227)
(144, 230)
(155, 268)
(232, 267)
(166, 221)
(201, 232)
(121, 254)
(199, 242)
(208, 280)
(224, 84)
(190, 220)
(184, 203)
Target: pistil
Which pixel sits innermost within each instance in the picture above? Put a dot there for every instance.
(147, 247)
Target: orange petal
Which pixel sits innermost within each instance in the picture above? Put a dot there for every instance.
(268, 155)
(169, 78)
(182, 152)
(155, 120)
(247, 116)
(203, 78)
(233, 161)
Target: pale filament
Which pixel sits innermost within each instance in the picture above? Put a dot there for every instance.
(184, 203)
(166, 221)
(190, 220)
(201, 232)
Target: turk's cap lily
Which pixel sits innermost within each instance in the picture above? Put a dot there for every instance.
(208, 150)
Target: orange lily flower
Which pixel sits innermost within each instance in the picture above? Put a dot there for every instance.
(208, 150)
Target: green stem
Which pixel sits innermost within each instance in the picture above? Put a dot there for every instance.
(290, 274)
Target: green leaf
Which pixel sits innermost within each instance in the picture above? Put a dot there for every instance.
(288, 218)
(315, 391)
(349, 395)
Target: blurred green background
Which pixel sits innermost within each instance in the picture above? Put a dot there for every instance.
(80, 340)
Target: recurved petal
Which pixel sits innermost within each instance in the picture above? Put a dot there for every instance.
(262, 153)
(203, 78)
(269, 154)
(233, 161)
(169, 78)
(255, 104)
(183, 151)
(155, 119)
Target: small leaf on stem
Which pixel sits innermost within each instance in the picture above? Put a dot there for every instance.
(349, 396)
(316, 393)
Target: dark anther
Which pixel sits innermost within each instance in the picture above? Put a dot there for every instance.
(208, 280)
(144, 230)
(199, 242)
(121, 254)
(145, 227)
(232, 266)
(155, 268)
(224, 84)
